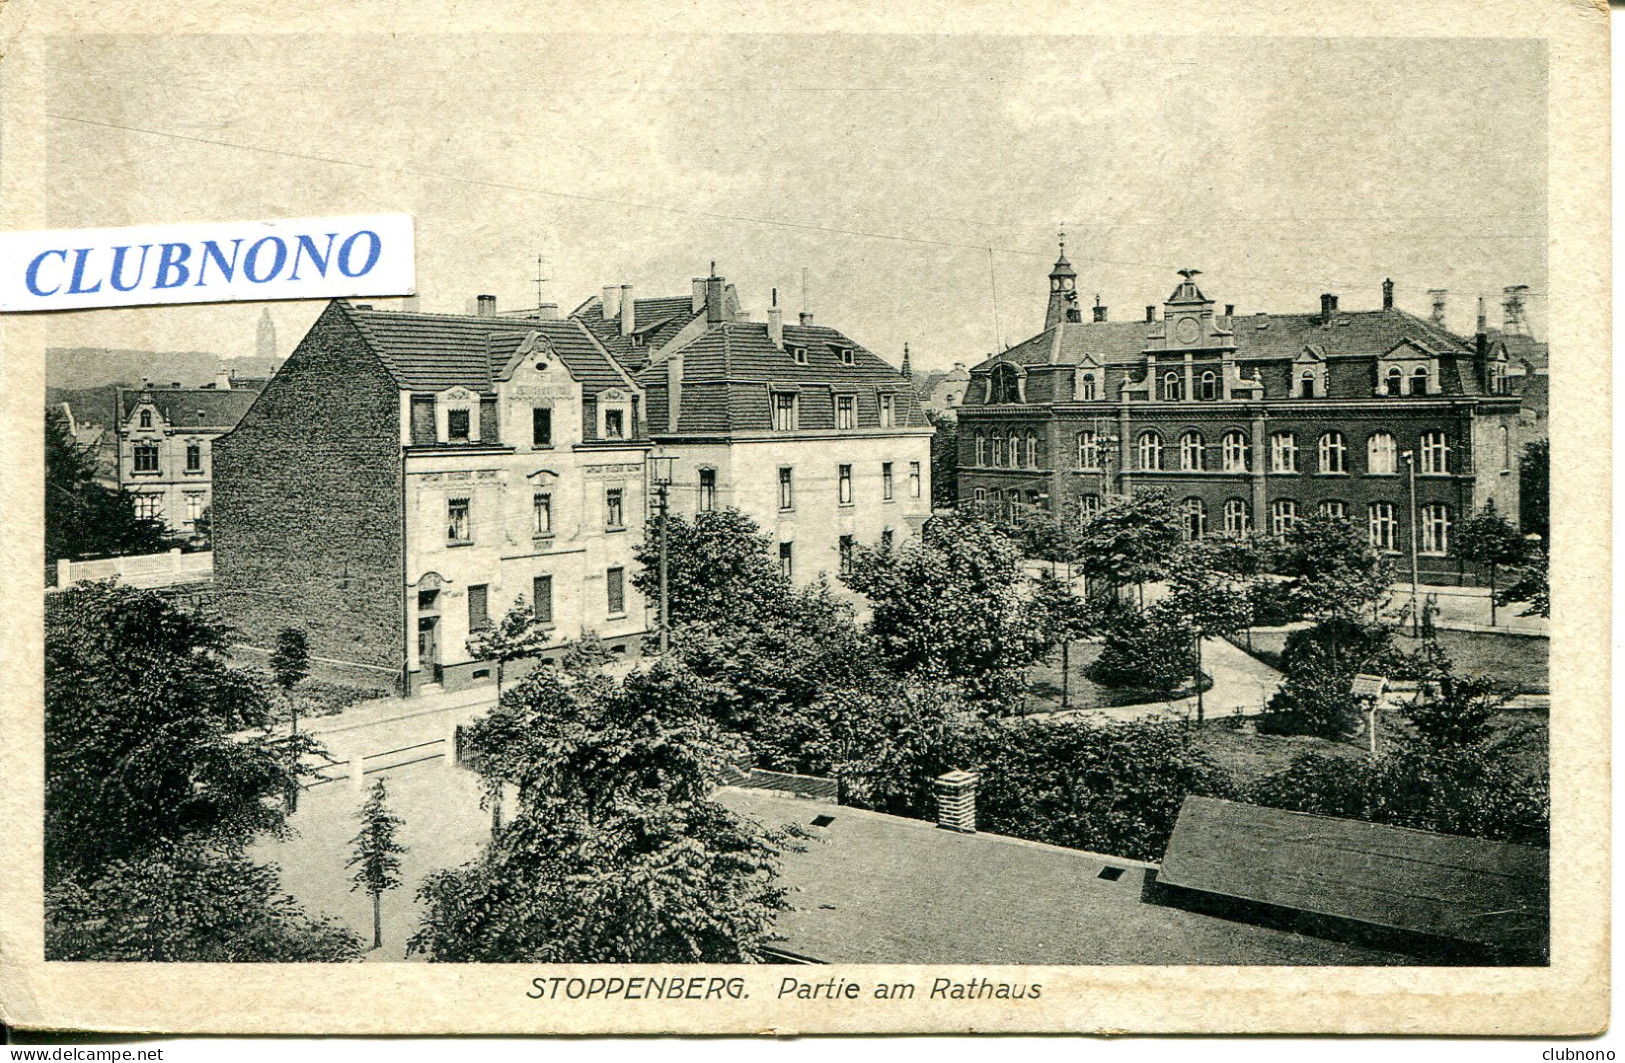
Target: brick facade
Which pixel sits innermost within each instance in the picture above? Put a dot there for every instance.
(308, 528)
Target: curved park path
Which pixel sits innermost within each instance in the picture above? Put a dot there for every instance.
(1242, 686)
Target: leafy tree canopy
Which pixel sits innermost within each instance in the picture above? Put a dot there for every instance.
(717, 568)
(83, 518)
(1332, 571)
(1131, 540)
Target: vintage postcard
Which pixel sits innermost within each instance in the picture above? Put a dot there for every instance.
(714, 518)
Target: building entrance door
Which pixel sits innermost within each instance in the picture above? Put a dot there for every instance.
(429, 646)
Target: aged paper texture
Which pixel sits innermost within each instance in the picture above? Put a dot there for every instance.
(907, 615)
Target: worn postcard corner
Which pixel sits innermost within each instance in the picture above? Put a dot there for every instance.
(990, 521)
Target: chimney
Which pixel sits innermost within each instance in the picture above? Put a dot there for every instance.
(487, 306)
(775, 322)
(1150, 314)
(1100, 309)
(612, 302)
(674, 390)
(1482, 339)
(697, 300)
(956, 801)
(222, 379)
(1328, 307)
(1512, 319)
(1388, 295)
(1438, 295)
(713, 297)
(547, 311)
(629, 310)
(411, 304)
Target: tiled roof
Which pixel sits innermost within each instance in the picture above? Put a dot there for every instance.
(1258, 336)
(654, 321)
(1523, 348)
(873, 888)
(433, 352)
(210, 407)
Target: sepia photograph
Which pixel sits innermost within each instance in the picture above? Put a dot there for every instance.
(975, 504)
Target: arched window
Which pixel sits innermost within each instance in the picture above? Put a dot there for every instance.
(1381, 525)
(1419, 381)
(1435, 454)
(1005, 384)
(1015, 449)
(1498, 378)
(1435, 529)
(1088, 507)
(146, 418)
(1306, 384)
(1088, 451)
(1210, 386)
(1379, 455)
(1332, 452)
(1330, 508)
(1086, 390)
(998, 451)
(1013, 495)
(1283, 515)
(1506, 449)
(1190, 451)
(1150, 451)
(1238, 516)
(1195, 518)
(1283, 452)
(980, 494)
(1396, 381)
(1173, 386)
(1235, 451)
(1032, 450)
(981, 449)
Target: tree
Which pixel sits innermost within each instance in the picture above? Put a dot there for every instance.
(141, 722)
(951, 604)
(376, 857)
(1068, 617)
(1145, 649)
(83, 518)
(290, 663)
(1331, 570)
(1529, 586)
(1131, 540)
(203, 527)
(1320, 664)
(1489, 539)
(1455, 712)
(187, 901)
(1206, 593)
(717, 568)
(617, 853)
(1535, 488)
(516, 636)
(944, 461)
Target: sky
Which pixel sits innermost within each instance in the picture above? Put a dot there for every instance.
(918, 183)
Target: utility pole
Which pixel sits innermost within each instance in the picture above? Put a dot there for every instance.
(1410, 472)
(662, 469)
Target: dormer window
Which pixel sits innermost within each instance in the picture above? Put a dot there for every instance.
(146, 418)
(614, 414)
(786, 411)
(1419, 381)
(614, 424)
(457, 416)
(846, 412)
(799, 354)
(845, 354)
(457, 425)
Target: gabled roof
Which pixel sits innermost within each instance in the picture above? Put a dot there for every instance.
(741, 351)
(654, 322)
(433, 352)
(874, 888)
(1257, 336)
(182, 407)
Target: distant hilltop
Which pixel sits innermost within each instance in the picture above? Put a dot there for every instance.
(91, 367)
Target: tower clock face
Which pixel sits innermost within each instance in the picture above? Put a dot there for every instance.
(1188, 331)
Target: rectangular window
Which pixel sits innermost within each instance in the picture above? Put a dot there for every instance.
(194, 457)
(457, 523)
(845, 411)
(615, 586)
(614, 508)
(478, 616)
(708, 489)
(541, 599)
(845, 477)
(1435, 529)
(1283, 515)
(1089, 507)
(886, 539)
(1283, 453)
(541, 513)
(148, 507)
(1382, 525)
(614, 424)
(194, 506)
(146, 457)
(914, 479)
(787, 491)
(787, 560)
(1333, 509)
(846, 554)
(457, 425)
(885, 481)
(785, 414)
(888, 410)
(541, 426)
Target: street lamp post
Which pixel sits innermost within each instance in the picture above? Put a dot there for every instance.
(660, 468)
(1410, 473)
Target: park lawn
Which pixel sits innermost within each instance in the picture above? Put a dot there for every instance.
(1044, 684)
(1517, 661)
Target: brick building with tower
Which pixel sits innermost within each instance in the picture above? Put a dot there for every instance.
(406, 477)
(1250, 421)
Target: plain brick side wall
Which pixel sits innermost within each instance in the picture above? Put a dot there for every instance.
(308, 524)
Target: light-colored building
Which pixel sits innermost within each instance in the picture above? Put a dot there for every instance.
(165, 439)
(819, 440)
(408, 477)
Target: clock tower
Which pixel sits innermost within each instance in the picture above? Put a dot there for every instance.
(1063, 292)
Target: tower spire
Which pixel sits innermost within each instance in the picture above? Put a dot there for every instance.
(908, 369)
(1063, 290)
